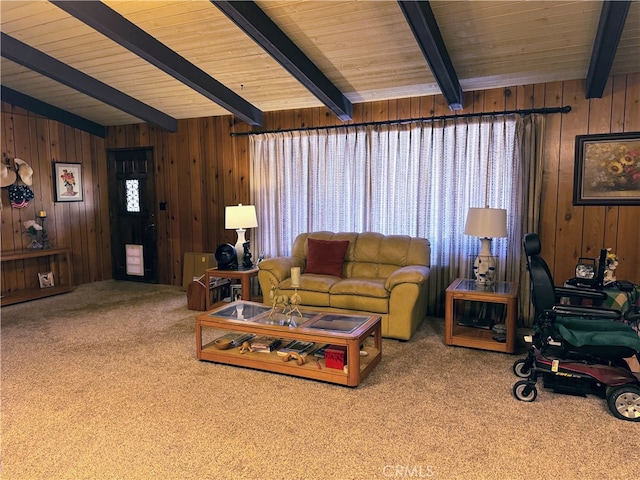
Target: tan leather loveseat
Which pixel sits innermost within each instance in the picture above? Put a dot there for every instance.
(385, 275)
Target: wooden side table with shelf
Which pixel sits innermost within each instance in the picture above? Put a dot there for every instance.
(244, 275)
(32, 262)
(464, 298)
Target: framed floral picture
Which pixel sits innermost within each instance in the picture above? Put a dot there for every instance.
(67, 182)
(607, 169)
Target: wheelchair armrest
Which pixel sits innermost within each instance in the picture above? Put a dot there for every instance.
(580, 293)
(587, 312)
(632, 315)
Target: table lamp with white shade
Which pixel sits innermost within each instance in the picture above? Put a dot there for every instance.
(486, 223)
(239, 218)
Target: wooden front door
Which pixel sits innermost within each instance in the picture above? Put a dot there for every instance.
(132, 209)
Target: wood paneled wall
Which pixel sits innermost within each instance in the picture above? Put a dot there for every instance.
(83, 227)
(569, 232)
(202, 168)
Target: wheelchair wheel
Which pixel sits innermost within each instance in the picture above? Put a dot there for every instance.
(624, 402)
(525, 391)
(521, 368)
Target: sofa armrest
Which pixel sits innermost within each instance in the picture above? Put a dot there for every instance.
(280, 267)
(410, 274)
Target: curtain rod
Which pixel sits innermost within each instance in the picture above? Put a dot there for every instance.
(543, 111)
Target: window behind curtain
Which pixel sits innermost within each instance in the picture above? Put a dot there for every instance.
(414, 179)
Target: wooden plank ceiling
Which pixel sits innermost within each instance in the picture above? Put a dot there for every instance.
(365, 50)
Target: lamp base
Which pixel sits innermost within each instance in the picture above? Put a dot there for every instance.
(240, 244)
(484, 266)
(484, 269)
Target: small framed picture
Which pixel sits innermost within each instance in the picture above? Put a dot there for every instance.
(46, 279)
(236, 292)
(67, 182)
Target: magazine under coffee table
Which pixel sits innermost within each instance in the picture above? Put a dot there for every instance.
(360, 334)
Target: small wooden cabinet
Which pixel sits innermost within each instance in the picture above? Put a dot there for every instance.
(465, 299)
(20, 270)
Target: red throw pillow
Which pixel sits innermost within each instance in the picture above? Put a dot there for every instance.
(325, 257)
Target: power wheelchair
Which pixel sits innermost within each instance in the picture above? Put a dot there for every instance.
(578, 350)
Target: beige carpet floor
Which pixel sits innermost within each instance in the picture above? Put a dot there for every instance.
(102, 383)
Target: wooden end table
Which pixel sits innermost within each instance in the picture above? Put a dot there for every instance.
(244, 276)
(464, 299)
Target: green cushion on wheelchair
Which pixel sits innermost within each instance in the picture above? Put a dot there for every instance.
(580, 332)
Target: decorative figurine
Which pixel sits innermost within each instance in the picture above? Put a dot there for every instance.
(246, 347)
(294, 356)
(246, 258)
(611, 263)
(294, 303)
(277, 299)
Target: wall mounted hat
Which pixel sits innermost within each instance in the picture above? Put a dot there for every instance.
(24, 170)
(20, 195)
(7, 175)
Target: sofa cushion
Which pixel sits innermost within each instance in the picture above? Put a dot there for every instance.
(313, 283)
(315, 299)
(366, 287)
(325, 257)
(359, 303)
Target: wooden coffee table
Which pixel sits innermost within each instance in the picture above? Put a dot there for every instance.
(360, 334)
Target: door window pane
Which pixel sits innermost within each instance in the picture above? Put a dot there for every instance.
(132, 188)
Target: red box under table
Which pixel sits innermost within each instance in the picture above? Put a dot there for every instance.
(335, 357)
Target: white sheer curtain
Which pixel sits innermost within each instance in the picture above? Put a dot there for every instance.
(415, 179)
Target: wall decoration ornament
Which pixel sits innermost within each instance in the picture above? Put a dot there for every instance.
(607, 169)
(67, 182)
(8, 175)
(25, 172)
(32, 228)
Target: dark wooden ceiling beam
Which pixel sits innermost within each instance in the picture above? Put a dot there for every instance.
(612, 18)
(40, 62)
(255, 23)
(114, 26)
(425, 29)
(51, 111)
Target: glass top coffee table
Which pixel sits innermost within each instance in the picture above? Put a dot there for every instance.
(358, 336)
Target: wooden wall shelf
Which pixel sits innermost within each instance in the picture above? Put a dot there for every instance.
(30, 263)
